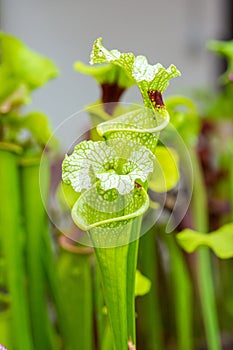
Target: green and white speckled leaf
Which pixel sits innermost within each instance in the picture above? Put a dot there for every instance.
(146, 76)
(117, 164)
(108, 215)
(141, 125)
(80, 167)
(220, 241)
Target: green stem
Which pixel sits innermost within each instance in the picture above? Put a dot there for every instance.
(35, 219)
(131, 271)
(107, 342)
(104, 332)
(5, 322)
(76, 291)
(231, 187)
(49, 261)
(182, 295)
(206, 287)
(50, 267)
(118, 268)
(102, 321)
(148, 307)
(11, 236)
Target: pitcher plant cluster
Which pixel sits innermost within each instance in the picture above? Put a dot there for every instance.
(151, 189)
(112, 177)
